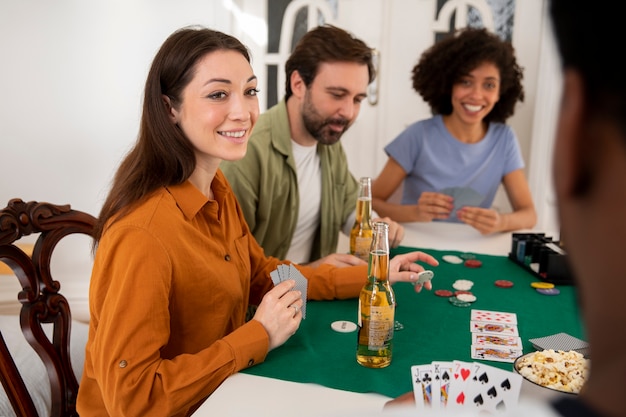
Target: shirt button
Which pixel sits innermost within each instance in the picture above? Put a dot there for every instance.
(227, 257)
(251, 362)
(123, 364)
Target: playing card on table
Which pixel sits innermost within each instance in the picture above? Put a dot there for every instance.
(493, 328)
(491, 340)
(559, 341)
(494, 316)
(301, 285)
(492, 390)
(499, 354)
(422, 377)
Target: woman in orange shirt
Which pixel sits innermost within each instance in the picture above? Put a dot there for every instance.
(176, 266)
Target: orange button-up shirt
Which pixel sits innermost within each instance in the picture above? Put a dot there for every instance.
(169, 291)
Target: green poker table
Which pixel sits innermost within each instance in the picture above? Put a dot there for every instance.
(433, 329)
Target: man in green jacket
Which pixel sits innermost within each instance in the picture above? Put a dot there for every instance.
(294, 185)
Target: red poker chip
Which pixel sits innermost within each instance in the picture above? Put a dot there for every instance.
(463, 292)
(473, 263)
(503, 283)
(443, 293)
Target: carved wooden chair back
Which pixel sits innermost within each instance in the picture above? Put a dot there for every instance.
(42, 303)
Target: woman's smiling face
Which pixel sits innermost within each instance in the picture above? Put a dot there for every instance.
(476, 93)
(219, 107)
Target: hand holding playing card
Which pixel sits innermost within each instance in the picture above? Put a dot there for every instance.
(433, 206)
(279, 313)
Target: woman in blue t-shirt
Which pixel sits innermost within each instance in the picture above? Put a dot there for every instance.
(453, 163)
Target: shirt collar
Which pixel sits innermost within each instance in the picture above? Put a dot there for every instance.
(191, 200)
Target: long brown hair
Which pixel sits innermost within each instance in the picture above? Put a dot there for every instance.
(162, 155)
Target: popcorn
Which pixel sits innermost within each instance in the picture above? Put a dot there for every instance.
(559, 370)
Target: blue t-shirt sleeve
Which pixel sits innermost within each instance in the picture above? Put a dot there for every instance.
(405, 148)
(513, 154)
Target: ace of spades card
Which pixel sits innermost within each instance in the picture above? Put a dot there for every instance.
(492, 389)
(422, 377)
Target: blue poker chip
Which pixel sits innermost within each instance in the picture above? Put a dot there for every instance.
(548, 291)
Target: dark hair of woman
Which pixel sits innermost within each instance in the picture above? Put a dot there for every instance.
(444, 63)
(162, 155)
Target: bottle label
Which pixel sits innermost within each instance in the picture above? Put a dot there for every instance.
(380, 327)
(362, 247)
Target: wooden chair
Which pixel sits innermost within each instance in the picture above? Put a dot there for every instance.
(41, 301)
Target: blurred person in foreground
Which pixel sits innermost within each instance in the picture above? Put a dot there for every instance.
(589, 169)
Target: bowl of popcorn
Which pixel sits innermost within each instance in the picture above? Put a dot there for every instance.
(558, 370)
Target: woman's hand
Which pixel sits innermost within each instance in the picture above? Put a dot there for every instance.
(402, 268)
(433, 205)
(484, 220)
(280, 312)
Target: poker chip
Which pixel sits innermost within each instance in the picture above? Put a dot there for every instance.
(503, 283)
(548, 291)
(473, 263)
(462, 292)
(467, 256)
(544, 285)
(458, 303)
(452, 259)
(462, 285)
(469, 298)
(443, 293)
(343, 326)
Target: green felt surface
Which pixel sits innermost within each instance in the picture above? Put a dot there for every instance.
(434, 329)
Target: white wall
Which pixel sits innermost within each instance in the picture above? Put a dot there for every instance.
(72, 77)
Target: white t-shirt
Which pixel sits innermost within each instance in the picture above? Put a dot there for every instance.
(310, 189)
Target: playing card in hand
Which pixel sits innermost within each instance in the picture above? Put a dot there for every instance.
(301, 285)
(422, 376)
(493, 389)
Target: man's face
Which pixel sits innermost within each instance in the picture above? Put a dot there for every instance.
(333, 100)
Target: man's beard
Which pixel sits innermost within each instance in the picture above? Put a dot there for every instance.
(318, 126)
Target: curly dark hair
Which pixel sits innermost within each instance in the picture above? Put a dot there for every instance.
(444, 63)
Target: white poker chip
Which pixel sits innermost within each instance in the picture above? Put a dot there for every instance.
(462, 285)
(343, 326)
(452, 259)
(469, 298)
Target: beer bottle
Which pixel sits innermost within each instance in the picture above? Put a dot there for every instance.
(376, 305)
(361, 233)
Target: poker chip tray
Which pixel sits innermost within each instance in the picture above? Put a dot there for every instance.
(541, 256)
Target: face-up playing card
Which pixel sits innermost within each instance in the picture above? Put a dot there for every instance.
(493, 328)
(494, 316)
(498, 354)
(443, 378)
(492, 389)
(491, 340)
(422, 376)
